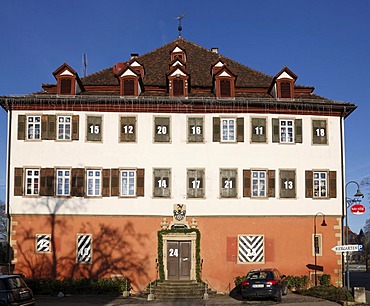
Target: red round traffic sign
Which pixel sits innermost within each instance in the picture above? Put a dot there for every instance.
(358, 209)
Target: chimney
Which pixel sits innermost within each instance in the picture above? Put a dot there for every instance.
(214, 50)
(134, 55)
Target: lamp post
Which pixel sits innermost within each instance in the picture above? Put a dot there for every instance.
(316, 242)
(348, 203)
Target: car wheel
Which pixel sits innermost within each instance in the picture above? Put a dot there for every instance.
(278, 297)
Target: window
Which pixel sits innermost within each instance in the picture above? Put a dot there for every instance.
(161, 183)
(66, 86)
(228, 129)
(321, 184)
(258, 130)
(317, 244)
(287, 184)
(64, 127)
(178, 87)
(162, 129)
(128, 129)
(251, 248)
(195, 183)
(33, 127)
(319, 132)
(287, 130)
(195, 129)
(228, 180)
(94, 128)
(285, 91)
(63, 182)
(32, 181)
(84, 248)
(128, 87)
(128, 182)
(43, 243)
(259, 183)
(225, 88)
(93, 183)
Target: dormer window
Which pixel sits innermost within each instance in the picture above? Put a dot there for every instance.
(178, 87)
(128, 87)
(130, 81)
(178, 54)
(282, 86)
(225, 88)
(178, 81)
(224, 81)
(68, 82)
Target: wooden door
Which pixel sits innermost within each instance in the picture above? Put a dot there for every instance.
(178, 260)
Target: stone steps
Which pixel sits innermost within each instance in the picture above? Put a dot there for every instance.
(168, 290)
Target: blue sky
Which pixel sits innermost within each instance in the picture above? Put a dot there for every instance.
(326, 43)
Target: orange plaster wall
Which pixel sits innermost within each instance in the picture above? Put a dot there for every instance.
(128, 245)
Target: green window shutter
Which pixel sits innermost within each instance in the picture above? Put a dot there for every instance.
(309, 183)
(21, 127)
(287, 184)
(106, 183)
(75, 127)
(195, 129)
(247, 183)
(258, 130)
(332, 184)
(140, 175)
(94, 128)
(228, 183)
(298, 130)
(18, 182)
(271, 183)
(47, 182)
(128, 129)
(275, 130)
(240, 129)
(78, 182)
(162, 129)
(319, 132)
(115, 182)
(216, 129)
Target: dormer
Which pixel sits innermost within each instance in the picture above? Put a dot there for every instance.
(178, 81)
(68, 81)
(129, 79)
(178, 53)
(139, 68)
(223, 80)
(282, 86)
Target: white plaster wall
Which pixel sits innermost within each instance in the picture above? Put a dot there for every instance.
(180, 155)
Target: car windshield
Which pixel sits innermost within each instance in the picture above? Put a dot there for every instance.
(15, 282)
(260, 275)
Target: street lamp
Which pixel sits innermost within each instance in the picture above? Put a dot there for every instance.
(316, 241)
(349, 202)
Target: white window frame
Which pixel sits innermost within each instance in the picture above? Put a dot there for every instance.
(320, 184)
(93, 182)
(319, 240)
(128, 182)
(228, 131)
(64, 128)
(32, 186)
(63, 182)
(286, 130)
(259, 184)
(33, 127)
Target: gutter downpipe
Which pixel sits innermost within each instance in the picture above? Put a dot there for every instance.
(9, 106)
(344, 204)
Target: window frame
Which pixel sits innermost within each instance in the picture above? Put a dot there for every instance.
(228, 175)
(35, 129)
(199, 175)
(64, 124)
(321, 125)
(160, 191)
(320, 180)
(229, 138)
(96, 135)
(259, 179)
(35, 181)
(162, 137)
(289, 139)
(64, 178)
(93, 187)
(128, 136)
(320, 244)
(195, 122)
(134, 184)
(290, 175)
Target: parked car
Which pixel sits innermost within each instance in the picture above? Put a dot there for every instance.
(264, 283)
(14, 291)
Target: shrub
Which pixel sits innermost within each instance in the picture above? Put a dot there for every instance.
(296, 283)
(238, 280)
(46, 286)
(329, 292)
(324, 280)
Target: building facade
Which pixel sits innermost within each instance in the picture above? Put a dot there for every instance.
(177, 164)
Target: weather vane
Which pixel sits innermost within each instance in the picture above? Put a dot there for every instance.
(179, 28)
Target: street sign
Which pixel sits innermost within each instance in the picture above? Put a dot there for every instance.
(348, 248)
(315, 267)
(358, 209)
